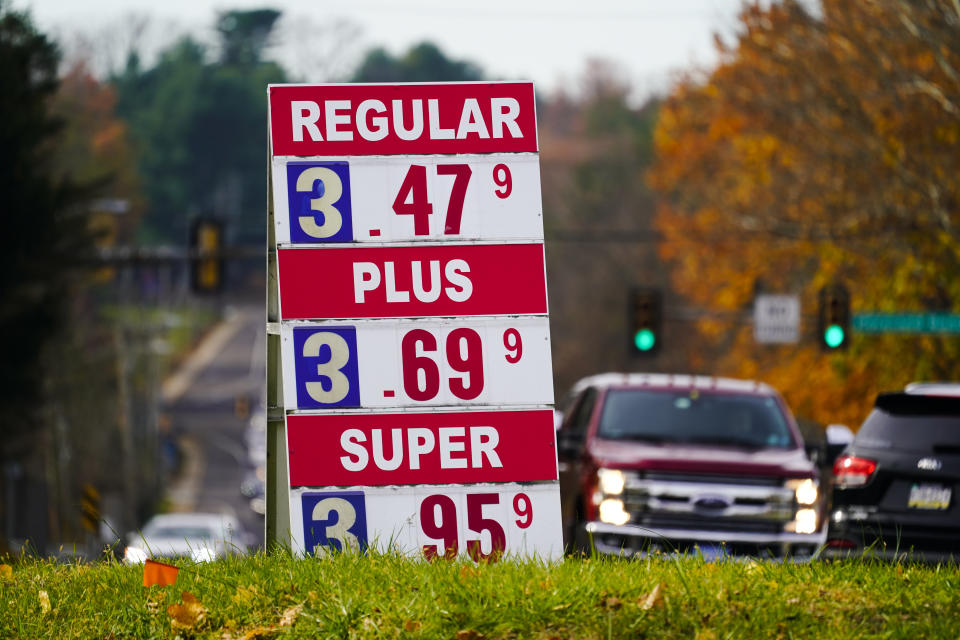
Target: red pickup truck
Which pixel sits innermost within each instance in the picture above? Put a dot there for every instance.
(679, 463)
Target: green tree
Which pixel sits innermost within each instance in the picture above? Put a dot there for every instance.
(200, 130)
(244, 35)
(43, 223)
(424, 62)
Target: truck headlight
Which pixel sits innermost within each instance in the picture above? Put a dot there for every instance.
(611, 481)
(612, 512)
(806, 521)
(804, 489)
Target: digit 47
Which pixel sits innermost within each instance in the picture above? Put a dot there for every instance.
(412, 198)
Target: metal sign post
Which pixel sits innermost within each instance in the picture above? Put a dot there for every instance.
(410, 374)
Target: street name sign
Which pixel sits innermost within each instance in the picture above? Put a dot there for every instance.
(411, 317)
(906, 322)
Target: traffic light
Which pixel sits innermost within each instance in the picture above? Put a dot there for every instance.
(206, 259)
(646, 318)
(833, 327)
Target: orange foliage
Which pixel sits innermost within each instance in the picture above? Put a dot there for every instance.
(822, 148)
(94, 147)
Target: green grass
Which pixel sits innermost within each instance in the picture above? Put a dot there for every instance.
(386, 596)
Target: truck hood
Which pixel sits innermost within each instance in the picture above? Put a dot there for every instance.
(715, 459)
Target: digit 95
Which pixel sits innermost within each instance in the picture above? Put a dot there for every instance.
(438, 521)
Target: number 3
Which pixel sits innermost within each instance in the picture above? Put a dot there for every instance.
(346, 517)
(332, 369)
(332, 190)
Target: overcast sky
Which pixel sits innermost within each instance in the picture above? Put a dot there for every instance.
(547, 41)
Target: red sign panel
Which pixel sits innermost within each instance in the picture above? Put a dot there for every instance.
(421, 448)
(410, 282)
(381, 119)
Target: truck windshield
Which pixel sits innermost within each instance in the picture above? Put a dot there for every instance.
(694, 417)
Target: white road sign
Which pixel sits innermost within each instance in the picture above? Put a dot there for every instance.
(776, 319)
(404, 363)
(407, 198)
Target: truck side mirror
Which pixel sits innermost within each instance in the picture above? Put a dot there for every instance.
(569, 444)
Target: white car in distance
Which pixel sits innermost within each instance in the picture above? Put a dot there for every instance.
(200, 537)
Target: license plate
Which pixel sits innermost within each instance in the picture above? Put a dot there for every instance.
(710, 551)
(929, 496)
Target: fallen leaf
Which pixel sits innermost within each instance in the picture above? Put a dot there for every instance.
(654, 598)
(412, 625)
(44, 602)
(6, 572)
(368, 624)
(612, 603)
(187, 615)
(259, 632)
(468, 634)
(290, 616)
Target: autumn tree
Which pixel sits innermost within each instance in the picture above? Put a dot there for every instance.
(823, 148)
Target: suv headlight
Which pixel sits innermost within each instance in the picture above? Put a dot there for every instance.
(611, 481)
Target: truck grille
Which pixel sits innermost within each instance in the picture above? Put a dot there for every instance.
(717, 503)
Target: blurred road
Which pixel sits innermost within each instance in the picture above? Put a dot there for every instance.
(211, 423)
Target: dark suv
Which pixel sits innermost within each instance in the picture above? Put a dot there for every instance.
(652, 462)
(894, 484)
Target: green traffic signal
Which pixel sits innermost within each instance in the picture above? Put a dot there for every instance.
(645, 306)
(833, 323)
(833, 336)
(644, 340)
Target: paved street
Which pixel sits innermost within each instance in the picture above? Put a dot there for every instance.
(202, 404)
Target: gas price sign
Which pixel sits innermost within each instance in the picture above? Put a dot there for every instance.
(482, 521)
(414, 336)
(408, 198)
(376, 363)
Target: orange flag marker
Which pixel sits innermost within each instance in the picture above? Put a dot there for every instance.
(158, 573)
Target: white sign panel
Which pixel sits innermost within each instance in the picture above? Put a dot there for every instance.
(776, 319)
(405, 363)
(481, 521)
(377, 199)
